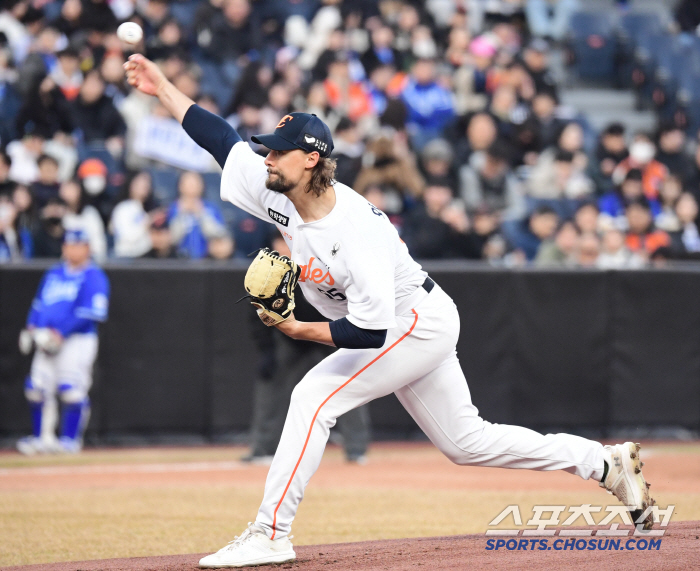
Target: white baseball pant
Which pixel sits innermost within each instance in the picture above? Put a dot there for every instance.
(418, 363)
(67, 374)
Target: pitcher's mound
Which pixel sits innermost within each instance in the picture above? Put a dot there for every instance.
(679, 548)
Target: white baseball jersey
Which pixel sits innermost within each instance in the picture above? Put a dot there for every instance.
(355, 265)
(353, 262)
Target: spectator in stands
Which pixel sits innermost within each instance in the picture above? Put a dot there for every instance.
(550, 18)
(526, 236)
(612, 204)
(47, 108)
(382, 166)
(66, 75)
(429, 104)
(493, 184)
(231, 38)
(692, 181)
(610, 152)
(437, 227)
(586, 217)
(381, 51)
(561, 249)
(615, 254)
(26, 219)
(641, 157)
(347, 151)
(347, 96)
(154, 13)
(642, 237)
(486, 240)
(161, 239)
(96, 15)
(478, 133)
(549, 126)
(193, 221)
(559, 179)
(167, 42)
(688, 236)
(688, 16)
(24, 154)
(436, 162)
(94, 179)
(132, 218)
(7, 185)
(220, 248)
(671, 142)
(46, 186)
(560, 171)
(671, 191)
(94, 114)
(588, 250)
(475, 76)
(535, 59)
(317, 103)
(48, 237)
(82, 216)
(10, 247)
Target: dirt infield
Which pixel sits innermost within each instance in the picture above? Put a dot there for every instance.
(679, 549)
(139, 504)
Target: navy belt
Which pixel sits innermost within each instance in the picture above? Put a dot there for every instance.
(428, 285)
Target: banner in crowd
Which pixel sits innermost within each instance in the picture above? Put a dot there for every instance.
(164, 140)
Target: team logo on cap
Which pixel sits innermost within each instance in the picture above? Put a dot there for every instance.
(309, 140)
(284, 120)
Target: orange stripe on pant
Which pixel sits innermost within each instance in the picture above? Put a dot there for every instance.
(415, 320)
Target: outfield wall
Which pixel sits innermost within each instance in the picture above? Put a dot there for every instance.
(578, 350)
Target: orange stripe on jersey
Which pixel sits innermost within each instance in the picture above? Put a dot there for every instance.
(313, 420)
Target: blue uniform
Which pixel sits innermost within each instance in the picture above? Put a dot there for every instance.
(71, 301)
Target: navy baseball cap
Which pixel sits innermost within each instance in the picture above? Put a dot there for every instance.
(75, 236)
(299, 131)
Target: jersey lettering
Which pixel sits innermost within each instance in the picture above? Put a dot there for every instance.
(375, 210)
(57, 290)
(332, 294)
(315, 275)
(277, 217)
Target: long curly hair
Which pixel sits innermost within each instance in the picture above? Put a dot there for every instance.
(322, 176)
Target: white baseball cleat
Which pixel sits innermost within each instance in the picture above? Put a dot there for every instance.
(626, 482)
(31, 445)
(252, 547)
(68, 445)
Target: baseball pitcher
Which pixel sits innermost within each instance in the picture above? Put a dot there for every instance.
(72, 298)
(394, 327)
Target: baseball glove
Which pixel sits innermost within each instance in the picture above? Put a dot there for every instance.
(270, 281)
(47, 340)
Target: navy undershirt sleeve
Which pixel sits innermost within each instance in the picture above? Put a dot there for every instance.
(210, 132)
(345, 335)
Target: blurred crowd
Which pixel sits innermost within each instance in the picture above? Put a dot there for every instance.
(445, 115)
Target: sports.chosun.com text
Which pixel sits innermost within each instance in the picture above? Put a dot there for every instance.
(573, 544)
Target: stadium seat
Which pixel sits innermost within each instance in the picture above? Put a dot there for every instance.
(594, 45)
(688, 100)
(634, 29)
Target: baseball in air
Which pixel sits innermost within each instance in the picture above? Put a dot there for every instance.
(130, 33)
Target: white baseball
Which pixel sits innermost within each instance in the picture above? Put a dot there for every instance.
(130, 33)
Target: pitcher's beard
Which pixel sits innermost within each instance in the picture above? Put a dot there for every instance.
(279, 184)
